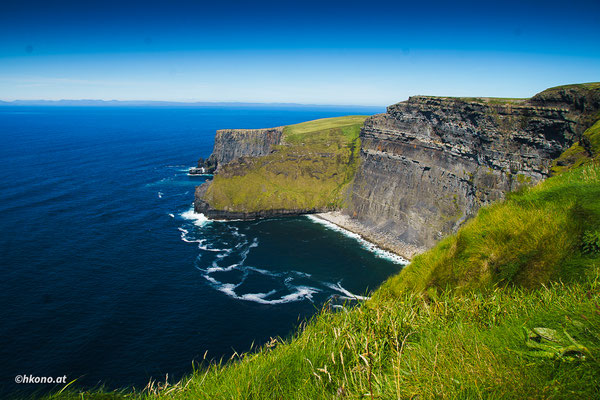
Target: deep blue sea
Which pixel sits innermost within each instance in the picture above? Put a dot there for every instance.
(109, 278)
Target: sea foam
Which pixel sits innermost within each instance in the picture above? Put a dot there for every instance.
(198, 219)
(373, 248)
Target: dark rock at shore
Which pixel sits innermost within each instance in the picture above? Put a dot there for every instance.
(205, 166)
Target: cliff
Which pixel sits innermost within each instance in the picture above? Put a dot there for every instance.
(231, 144)
(425, 166)
(298, 169)
(429, 163)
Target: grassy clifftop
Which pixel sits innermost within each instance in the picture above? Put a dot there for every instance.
(309, 170)
(508, 308)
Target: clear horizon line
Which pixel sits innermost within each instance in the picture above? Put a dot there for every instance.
(17, 102)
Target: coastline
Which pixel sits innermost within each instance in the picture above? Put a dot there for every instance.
(381, 240)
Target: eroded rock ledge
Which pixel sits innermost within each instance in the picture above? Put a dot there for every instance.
(231, 144)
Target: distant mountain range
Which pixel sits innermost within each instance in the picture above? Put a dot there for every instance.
(146, 103)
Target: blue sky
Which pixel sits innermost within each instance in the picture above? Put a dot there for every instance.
(327, 52)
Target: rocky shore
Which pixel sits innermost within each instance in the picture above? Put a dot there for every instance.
(385, 241)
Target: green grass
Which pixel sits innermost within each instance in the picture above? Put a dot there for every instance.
(580, 152)
(305, 131)
(464, 346)
(585, 86)
(485, 100)
(310, 170)
(530, 239)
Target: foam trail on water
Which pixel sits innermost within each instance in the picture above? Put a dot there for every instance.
(185, 232)
(247, 250)
(184, 237)
(216, 268)
(301, 293)
(206, 248)
(379, 252)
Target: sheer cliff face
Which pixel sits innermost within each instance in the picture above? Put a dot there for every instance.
(231, 144)
(430, 163)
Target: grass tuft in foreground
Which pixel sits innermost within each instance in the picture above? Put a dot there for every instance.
(451, 345)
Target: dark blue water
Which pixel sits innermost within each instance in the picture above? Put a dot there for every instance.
(104, 275)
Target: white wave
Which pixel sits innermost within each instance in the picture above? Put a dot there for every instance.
(301, 293)
(184, 237)
(172, 215)
(257, 297)
(201, 245)
(216, 268)
(204, 175)
(206, 248)
(228, 289)
(160, 195)
(211, 279)
(298, 292)
(347, 294)
(373, 248)
(198, 219)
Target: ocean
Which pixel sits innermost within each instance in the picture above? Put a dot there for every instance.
(109, 278)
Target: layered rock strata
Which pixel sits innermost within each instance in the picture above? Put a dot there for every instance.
(430, 163)
(231, 144)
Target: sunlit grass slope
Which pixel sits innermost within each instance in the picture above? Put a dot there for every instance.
(581, 151)
(508, 308)
(310, 170)
(535, 236)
